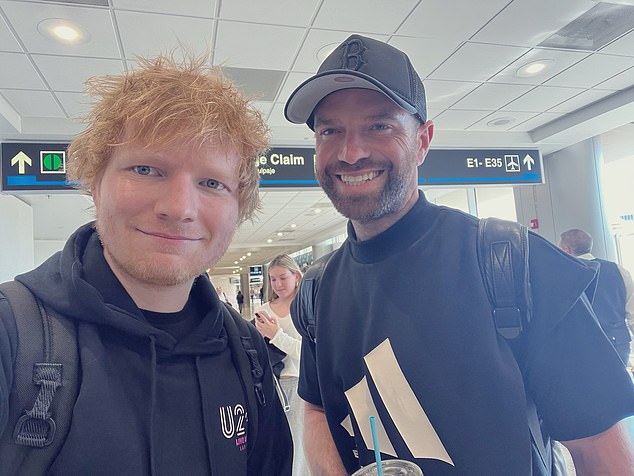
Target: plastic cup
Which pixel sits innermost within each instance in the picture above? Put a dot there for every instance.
(391, 467)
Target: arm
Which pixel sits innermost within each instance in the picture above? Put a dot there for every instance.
(292, 345)
(321, 453)
(270, 327)
(608, 453)
(287, 343)
(629, 297)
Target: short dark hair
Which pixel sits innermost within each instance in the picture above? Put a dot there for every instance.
(577, 240)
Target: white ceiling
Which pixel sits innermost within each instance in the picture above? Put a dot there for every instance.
(466, 51)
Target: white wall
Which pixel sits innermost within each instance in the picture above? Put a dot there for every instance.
(43, 249)
(570, 198)
(16, 237)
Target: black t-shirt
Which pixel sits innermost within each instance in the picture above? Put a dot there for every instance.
(405, 333)
(178, 324)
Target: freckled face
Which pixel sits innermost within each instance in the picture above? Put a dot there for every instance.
(164, 216)
(368, 150)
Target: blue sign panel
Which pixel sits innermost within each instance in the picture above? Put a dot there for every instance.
(28, 167)
(35, 166)
(294, 167)
(288, 167)
(481, 166)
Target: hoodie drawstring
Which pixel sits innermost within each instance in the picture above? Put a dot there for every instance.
(152, 404)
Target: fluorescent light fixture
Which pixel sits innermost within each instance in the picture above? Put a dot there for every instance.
(63, 31)
(325, 51)
(501, 121)
(534, 68)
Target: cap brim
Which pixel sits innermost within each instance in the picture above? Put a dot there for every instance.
(304, 99)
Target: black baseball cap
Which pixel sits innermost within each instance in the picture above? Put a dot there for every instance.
(360, 62)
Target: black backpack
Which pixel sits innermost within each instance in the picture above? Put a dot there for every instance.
(502, 248)
(46, 381)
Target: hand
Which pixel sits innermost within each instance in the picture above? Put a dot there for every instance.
(266, 324)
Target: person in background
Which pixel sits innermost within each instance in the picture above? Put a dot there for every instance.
(222, 295)
(404, 329)
(273, 320)
(168, 157)
(240, 300)
(613, 300)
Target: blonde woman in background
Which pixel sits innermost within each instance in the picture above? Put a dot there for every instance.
(273, 320)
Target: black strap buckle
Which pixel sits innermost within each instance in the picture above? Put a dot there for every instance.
(34, 431)
(508, 321)
(36, 427)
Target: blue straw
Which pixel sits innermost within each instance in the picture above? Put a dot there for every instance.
(375, 442)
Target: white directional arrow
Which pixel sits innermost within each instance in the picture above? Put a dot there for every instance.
(529, 162)
(21, 159)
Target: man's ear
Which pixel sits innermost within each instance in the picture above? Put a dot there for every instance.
(94, 190)
(425, 133)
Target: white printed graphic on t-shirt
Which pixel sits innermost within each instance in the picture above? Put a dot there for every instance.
(401, 403)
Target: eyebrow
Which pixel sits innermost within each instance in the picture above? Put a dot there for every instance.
(384, 116)
(381, 116)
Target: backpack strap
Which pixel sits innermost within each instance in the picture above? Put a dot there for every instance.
(247, 361)
(303, 309)
(45, 383)
(503, 259)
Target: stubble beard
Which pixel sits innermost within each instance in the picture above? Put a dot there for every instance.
(152, 272)
(363, 209)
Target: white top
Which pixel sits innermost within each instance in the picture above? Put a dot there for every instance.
(288, 340)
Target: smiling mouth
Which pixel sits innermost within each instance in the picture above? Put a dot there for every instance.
(168, 237)
(359, 179)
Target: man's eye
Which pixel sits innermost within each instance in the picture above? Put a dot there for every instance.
(326, 132)
(380, 127)
(144, 170)
(211, 183)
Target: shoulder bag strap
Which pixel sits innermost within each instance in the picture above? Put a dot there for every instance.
(45, 383)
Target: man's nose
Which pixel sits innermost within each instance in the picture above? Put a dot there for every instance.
(353, 148)
(177, 199)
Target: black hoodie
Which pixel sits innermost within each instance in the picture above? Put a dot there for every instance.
(147, 403)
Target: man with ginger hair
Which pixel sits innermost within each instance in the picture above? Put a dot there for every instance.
(168, 157)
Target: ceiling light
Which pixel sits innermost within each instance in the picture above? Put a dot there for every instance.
(317, 210)
(235, 262)
(249, 253)
(63, 31)
(279, 233)
(325, 51)
(501, 121)
(293, 225)
(269, 240)
(533, 68)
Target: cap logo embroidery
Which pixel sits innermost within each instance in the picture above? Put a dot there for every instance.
(353, 55)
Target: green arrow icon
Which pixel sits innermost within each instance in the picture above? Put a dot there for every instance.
(21, 159)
